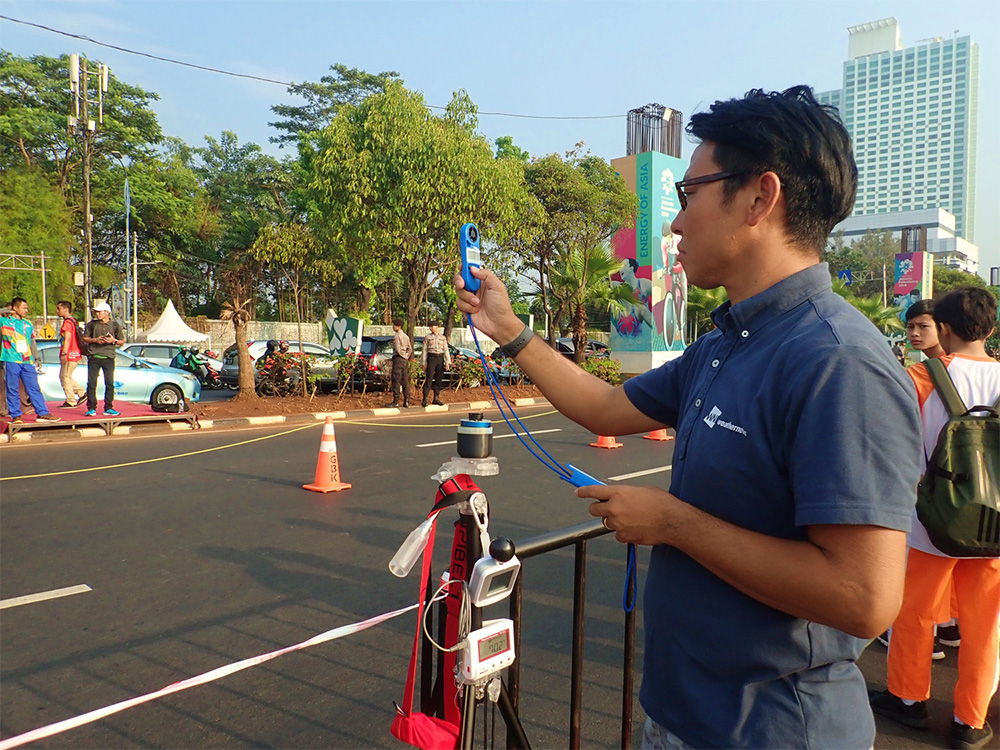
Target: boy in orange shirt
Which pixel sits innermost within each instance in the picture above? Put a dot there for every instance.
(965, 319)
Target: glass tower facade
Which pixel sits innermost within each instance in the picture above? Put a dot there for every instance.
(912, 114)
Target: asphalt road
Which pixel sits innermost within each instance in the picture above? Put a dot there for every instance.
(216, 555)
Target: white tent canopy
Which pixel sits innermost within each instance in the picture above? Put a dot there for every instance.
(171, 329)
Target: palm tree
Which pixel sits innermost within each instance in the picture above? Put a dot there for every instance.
(581, 277)
(886, 319)
(700, 303)
(238, 313)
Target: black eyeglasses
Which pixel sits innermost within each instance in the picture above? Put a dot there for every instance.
(683, 184)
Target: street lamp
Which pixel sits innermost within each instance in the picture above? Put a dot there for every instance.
(130, 258)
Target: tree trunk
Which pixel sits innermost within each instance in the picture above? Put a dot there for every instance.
(449, 319)
(247, 384)
(579, 333)
(298, 329)
(364, 300)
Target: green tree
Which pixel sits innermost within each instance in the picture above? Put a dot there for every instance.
(700, 304)
(393, 183)
(294, 251)
(323, 100)
(246, 190)
(946, 279)
(507, 149)
(34, 219)
(168, 207)
(579, 203)
(34, 104)
(884, 317)
(876, 254)
(582, 276)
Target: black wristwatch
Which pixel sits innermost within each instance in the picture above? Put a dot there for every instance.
(513, 348)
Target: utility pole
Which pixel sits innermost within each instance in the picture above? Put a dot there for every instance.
(135, 285)
(80, 93)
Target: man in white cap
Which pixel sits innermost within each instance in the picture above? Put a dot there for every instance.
(104, 336)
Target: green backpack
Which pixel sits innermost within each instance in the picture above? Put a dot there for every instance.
(958, 499)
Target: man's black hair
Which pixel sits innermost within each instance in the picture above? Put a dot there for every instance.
(65, 303)
(397, 322)
(970, 311)
(800, 140)
(920, 307)
(17, 301)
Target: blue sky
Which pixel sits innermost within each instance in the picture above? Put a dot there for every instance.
(542, 58)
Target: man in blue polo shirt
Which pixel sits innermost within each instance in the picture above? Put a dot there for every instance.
(779, 550)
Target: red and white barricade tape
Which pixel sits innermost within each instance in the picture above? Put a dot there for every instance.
(215, 674)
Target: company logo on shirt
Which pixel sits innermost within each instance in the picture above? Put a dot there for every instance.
(713, 419)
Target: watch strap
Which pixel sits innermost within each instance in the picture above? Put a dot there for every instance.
(513, 348)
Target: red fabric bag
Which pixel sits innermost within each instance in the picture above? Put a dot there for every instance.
(417, 729)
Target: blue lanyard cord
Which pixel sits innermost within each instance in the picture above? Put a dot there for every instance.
(555, 466)
(629, 597)
(631, 586)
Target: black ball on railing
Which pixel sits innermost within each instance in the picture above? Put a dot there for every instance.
(502, 549)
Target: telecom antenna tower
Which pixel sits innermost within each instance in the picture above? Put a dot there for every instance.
(79, 121)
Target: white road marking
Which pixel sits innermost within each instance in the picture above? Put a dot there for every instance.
(17, 601)
(495, 437)
(643, 473)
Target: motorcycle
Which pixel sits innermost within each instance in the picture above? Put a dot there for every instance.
(277, 375)
(211, 379)
(197, 364)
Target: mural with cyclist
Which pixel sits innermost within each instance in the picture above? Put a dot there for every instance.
(656, 319)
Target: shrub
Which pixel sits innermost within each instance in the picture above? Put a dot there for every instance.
(467, 373)
(608, 370)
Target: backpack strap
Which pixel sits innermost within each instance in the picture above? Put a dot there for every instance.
(945, 387)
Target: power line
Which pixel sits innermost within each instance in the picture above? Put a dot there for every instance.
(287, 84)
(145, 54)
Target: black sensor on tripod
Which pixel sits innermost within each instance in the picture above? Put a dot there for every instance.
(475, 437)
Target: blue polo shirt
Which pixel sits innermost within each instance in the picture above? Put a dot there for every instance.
(792, 412)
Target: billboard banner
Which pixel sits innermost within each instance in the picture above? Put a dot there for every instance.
(655, 321)
(913, 280)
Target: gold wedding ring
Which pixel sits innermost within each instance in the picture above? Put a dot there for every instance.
(604, 520)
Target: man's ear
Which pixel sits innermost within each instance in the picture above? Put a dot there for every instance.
(766, 198)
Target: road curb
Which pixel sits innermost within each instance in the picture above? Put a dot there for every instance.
(384, 411)
(204, 423)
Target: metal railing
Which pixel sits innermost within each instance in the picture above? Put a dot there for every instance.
(577, 537)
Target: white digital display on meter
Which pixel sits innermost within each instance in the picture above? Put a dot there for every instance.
(487, 650)
(492, 581)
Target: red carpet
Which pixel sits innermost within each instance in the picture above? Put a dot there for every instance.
(76, 414)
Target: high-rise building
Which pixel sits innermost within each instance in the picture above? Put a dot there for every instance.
(912, 114)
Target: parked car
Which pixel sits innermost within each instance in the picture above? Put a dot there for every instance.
(162, 354)
(595, 348)
(321, 362)
(136, 380)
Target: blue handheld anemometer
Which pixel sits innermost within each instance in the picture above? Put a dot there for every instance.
(468, 243)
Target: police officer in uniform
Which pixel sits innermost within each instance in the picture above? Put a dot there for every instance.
(402, 350)
(435, 359)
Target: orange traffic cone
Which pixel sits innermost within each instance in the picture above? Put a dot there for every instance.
(327, 467)
(657, 435)
(603, 441)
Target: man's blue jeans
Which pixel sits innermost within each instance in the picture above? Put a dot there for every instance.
(18, 372)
